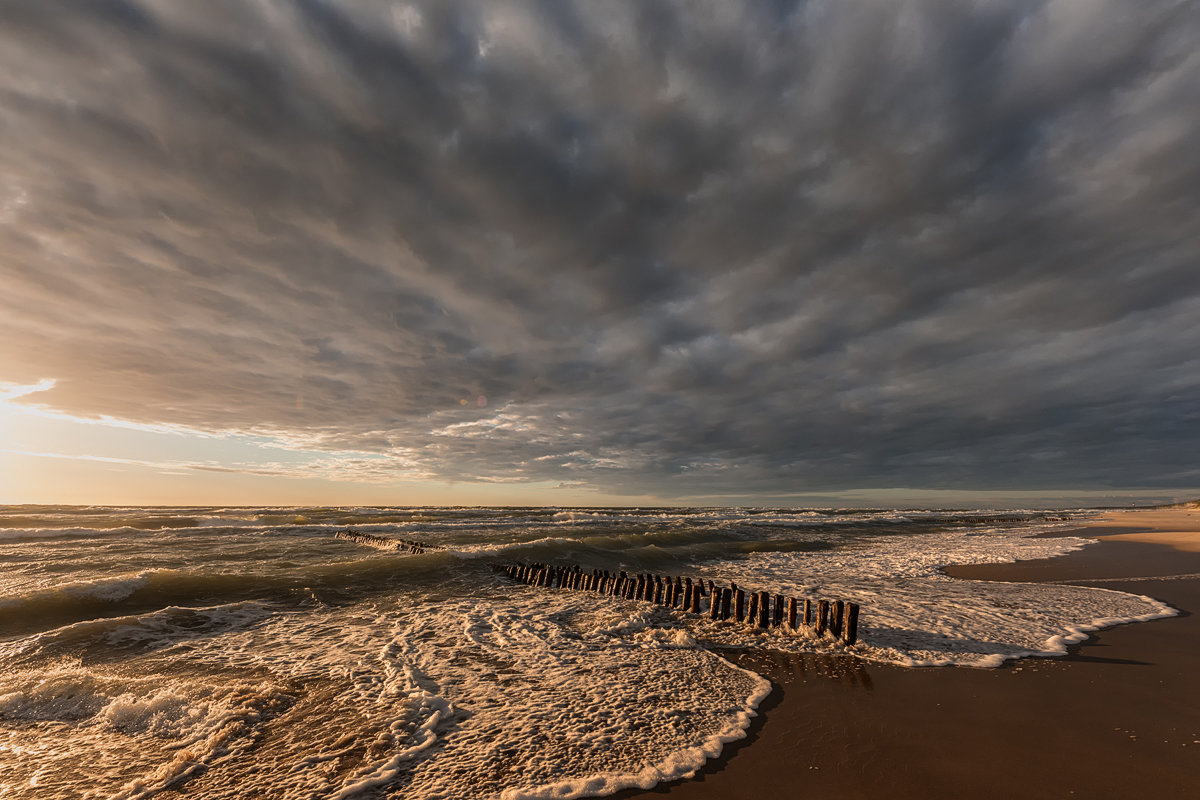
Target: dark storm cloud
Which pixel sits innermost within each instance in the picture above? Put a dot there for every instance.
(656, 247)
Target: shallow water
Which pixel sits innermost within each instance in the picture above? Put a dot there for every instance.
(249, 652)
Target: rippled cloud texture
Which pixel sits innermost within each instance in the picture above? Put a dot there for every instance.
(665, 247)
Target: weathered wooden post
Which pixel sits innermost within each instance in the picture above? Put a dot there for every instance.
(835, 618)
(822, 616)
(658, 590)
(726, 599)
(764, 600)
(695, 606)
(850, 634)
(714, 605)
(677, 595)
(777, 620)
(752, 615)
(808, 609)
(739, 606)
(687, 595)
(791, 618)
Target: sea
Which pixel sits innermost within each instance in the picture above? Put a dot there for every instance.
(255, 652)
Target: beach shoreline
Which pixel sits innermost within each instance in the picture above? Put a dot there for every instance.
(1117, 716)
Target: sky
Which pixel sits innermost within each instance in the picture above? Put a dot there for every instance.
(575, 252)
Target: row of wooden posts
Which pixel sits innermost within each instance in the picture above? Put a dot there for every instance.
(407, 545)
(836, 618)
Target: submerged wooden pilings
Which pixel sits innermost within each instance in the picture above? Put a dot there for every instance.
(407, 545)
(766, 611)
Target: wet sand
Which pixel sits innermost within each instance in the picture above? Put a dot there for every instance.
(1119, 717)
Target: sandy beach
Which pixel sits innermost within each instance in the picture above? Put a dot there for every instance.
(1117, 717)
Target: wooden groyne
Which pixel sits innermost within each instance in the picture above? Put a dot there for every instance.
(407, 545)
(835, 618)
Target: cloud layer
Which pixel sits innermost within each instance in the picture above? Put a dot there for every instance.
(674, 248)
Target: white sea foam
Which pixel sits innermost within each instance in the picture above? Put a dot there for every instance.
(177, 726)
(105, 589)
(574, 701)
(915, 615)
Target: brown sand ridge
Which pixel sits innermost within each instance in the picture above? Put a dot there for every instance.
(1119, 717)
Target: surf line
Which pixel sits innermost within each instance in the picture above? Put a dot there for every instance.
(408, 545)
(837, 618)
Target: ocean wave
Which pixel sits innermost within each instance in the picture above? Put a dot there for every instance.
(39, 534)
(41, 608)
(136, 632)
(176, 727)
